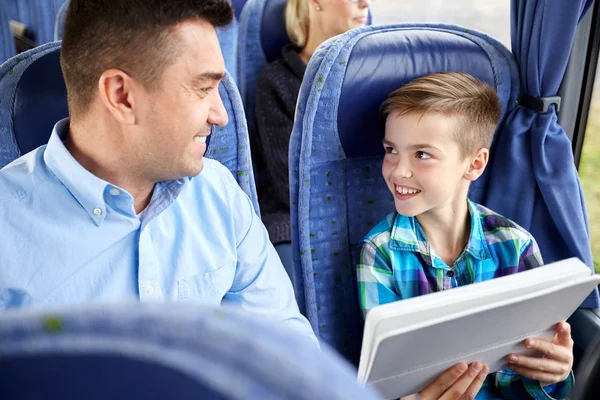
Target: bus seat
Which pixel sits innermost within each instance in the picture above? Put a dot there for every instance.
(36, 98)
(337, 191)
(163, 351)
(7, 43)
(227, 35)
(38, 16)
(238, 6)
(256, 16)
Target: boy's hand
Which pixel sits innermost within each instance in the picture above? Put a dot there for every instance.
(459, 382)
(556, 363)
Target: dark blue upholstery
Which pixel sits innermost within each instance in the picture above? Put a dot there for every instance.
(89, 377)
(238, 5)
(337, 192)
(273, 35)
(40, 101)
(379, 54)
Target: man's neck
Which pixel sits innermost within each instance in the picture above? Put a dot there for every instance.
(103, 159)
(447, 229)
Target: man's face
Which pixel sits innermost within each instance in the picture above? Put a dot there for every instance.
(180, 113)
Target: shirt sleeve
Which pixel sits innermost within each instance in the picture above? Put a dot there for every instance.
(375, 278)
(513, 386)
(261, 284)
(530, 256)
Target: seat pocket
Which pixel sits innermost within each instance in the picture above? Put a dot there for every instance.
(209, 286)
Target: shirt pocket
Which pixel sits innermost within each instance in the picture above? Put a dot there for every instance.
(209, 286)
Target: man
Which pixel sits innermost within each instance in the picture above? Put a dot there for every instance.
(115, 208)
(120, 205)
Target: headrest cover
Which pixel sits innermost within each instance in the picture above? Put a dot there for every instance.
(273, 34)
(40, 102)
(383, 62)
(237, 7)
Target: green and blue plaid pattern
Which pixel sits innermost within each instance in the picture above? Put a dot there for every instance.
(397, 262)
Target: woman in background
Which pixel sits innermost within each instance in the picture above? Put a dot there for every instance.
(309, 23)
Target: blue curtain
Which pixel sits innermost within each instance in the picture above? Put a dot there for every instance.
(533, 179)
(7, 44)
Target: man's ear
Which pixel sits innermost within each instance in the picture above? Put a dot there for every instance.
(477, 165)
(118, 94)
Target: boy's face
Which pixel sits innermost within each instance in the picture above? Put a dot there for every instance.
(423, 165)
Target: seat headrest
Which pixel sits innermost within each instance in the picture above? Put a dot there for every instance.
(273, 35)
(40, 101)
(237, 7)
(381, 63)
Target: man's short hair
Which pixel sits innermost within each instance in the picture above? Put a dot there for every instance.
(453, 94)
(129, 35)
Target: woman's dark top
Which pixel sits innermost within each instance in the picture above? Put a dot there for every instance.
(276, 94)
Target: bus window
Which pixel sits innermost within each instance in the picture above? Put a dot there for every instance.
(589, 170)
(491, 16)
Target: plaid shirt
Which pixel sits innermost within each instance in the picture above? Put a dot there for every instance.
(397, 262)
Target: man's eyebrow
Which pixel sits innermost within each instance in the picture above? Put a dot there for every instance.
(209, 76)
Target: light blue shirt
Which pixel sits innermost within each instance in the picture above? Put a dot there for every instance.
(68, 236)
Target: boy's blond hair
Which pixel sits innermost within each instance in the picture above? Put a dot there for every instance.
(452, 94)
(297, 21)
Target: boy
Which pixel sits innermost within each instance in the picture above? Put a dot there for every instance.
(438, 130)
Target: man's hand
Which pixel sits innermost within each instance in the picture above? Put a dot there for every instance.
(461, 382)
(557, 360)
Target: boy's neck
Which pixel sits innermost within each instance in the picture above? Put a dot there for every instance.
(447, 229)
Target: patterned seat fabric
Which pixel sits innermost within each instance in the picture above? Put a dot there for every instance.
(162, 351)
(337, 191)
(31, 84)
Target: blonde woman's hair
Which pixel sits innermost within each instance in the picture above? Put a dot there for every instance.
(452, 94)
(297, 21)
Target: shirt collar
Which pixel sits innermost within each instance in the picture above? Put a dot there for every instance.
(408, 235)
(291, 55)
(93, 193)
(87, 188)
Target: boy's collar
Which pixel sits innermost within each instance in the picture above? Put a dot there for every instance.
(407, 235)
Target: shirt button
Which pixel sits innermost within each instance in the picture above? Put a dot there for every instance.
(114, 192)
(450, 274)
(97, 211)
(149, 289)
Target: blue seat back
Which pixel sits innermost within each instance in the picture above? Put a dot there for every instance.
(34, 98)
(7, 43)
(228, 38)
(163, 351)
(38, 15)
(337, 191)
(262, 35)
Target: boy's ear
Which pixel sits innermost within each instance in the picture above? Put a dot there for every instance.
(477, 165)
